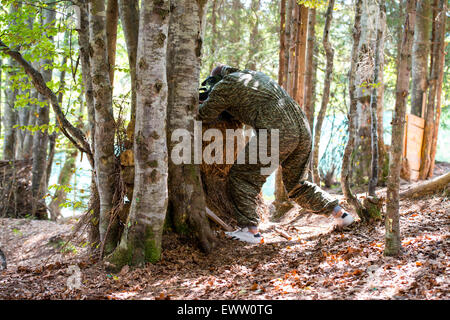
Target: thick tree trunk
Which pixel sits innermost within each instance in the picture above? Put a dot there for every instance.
(105, 160)
(420, 53)
(186, 198)
(141, 239)
(129, 14)
(329, 52)
(392, 236)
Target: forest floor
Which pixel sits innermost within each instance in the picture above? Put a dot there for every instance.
(317, 263)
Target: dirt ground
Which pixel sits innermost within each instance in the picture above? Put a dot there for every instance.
(318, 262)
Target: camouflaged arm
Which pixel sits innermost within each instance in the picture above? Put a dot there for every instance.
(217, 102)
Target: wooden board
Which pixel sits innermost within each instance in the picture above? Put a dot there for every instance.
(412, 145)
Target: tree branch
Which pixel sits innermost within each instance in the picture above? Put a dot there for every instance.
(75, 135)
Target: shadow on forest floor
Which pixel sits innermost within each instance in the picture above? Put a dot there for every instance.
(317, 263)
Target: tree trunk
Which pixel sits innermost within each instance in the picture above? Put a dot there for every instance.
(65, 175)
(427, 187)
(40, 138)
(186, 198)
(129, 14)
(141, 239)
(329, 52)
(255, 39)
(392, 236)
(112, 20)
(420, 55)
(441, 68)
(310, 68)
(10, 114)
(104, 134)
(349, 148)
(214, 33)
(431, 108)
(300, 55)
(281, 57)
(374, 100)
(364, 77)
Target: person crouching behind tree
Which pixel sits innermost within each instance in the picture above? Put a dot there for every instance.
(256, 100)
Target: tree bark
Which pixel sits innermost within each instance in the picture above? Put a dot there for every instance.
(281, 58)
(300, 56)
(186, 197)
(112, 20)
(349, 148)
(310, 68)
(105, 159)
(40, 138)
(65, 175)
(420, 56)
(427, 187)
(329, 52)
(141, 239)
(374, 103)
(129, 14)
(392, 235)
(255, 39)
(441, 68)
(431, 108)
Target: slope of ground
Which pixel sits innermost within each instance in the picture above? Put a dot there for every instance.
(317, 263)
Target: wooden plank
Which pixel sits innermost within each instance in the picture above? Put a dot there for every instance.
(217, 220)
(412, 144)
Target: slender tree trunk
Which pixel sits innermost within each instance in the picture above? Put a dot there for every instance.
(255, 40)
(40, 138)
(431, 108)
(374, 104)
(9, 113)
(112, 20)
(420, 56)
(441, 68)
(65, 175)
(300, 56)
(392, 237)
(214, 32)
(329, 52)
(287, 42)
(129, 14)
(186, 196)
(141, 239)
(346, 160)
(310, 68)
(105, 160)
(364, 77)
(282, 57)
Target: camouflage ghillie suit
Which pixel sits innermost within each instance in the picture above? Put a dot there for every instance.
(256, 100)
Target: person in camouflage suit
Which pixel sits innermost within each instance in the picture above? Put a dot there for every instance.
(258, 101)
